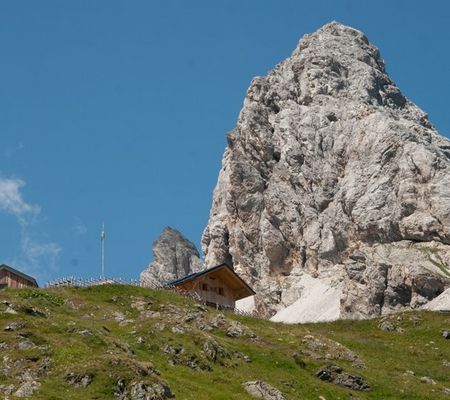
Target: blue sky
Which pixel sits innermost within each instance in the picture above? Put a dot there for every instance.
(117, 111)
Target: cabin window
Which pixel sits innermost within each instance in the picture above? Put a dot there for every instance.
(204, 286)
(220, 291)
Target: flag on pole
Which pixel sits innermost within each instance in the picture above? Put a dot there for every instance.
(102, 234)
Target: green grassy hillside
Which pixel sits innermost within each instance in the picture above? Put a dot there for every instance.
(123, 342)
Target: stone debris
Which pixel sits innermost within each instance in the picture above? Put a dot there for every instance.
(214, 352)
(142, 391)
(236, 329)
(427, 380)
(7, 390)
(320, 348)
(78, 380)
(14, 326)
(218, 321)
(85, 332)
(35, 312)
(388, 325)
(27, 388)
(178, 329)
(121, 318)
(26, 344)
(335, 374)
(140, 340)
(141, 304)
(262, 390)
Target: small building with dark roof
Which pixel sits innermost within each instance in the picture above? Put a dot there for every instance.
(10, 277)
(219, 286)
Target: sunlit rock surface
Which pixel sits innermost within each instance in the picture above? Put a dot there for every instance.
(332, 178)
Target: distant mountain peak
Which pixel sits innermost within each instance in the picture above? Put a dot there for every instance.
(174, 256)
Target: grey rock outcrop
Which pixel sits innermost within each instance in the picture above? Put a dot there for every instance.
(262, 390)
(335, 374)
(174, 256)
(440, 303)
(333, 197)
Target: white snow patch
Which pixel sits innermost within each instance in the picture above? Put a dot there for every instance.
(247, 304)
(440, 303)
(319, 302)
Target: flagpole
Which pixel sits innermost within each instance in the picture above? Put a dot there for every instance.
(102, 237)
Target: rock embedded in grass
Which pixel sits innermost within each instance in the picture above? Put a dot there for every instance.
(214, 352)
(14, 326)
(321, 348)
(427, 380)
(34, 312)
(236, 329)
(177, 329)
(27, 388)
(26, 344)
(262, 390)
(142, 390)
(218, 321)
(85, 332)
(78, 380)
(334, 374)
(7, 389)
(387, 326)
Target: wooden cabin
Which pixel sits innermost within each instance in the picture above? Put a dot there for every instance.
(218, 286)
(10, 277)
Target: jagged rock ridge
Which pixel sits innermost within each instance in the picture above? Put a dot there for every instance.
(174, 257)
(333, 185)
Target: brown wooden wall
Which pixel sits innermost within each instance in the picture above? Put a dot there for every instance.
(13, 280)
(211, 294)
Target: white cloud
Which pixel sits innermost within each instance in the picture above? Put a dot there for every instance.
(12, 202)
(10, 151)
(38, 258)
(79, 229)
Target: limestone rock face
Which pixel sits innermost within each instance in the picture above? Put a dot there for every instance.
(174, 256)
(332, 178)
(440, 303)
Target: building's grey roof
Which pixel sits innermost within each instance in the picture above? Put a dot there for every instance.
(18, 273)
(196, 275)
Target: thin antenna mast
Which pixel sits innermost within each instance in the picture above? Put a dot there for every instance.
(102, 238)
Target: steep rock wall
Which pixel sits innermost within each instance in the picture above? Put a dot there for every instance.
(332, 174)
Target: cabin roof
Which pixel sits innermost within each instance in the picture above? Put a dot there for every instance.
(196, 275)
(18, 273)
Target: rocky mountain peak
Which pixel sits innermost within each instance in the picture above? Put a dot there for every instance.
(333, 186)
(174, 256)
